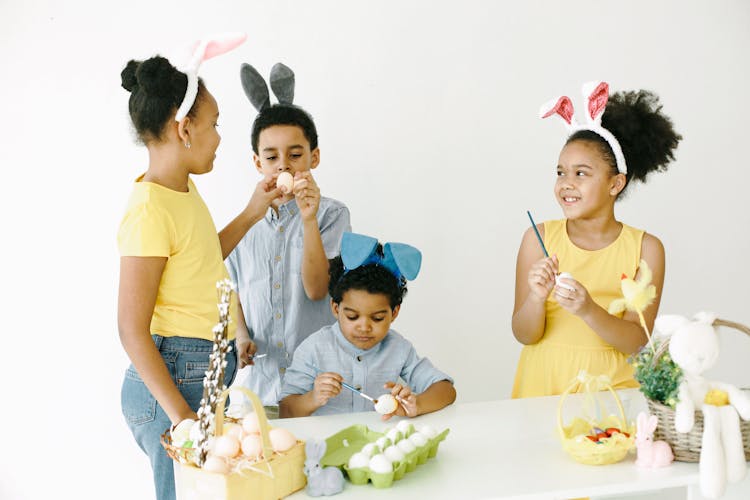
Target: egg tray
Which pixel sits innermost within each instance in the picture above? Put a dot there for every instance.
(345, 443)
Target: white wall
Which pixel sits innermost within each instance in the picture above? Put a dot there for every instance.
(428, 132)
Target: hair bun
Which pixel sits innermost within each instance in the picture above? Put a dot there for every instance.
(157, 76)
(129, 81)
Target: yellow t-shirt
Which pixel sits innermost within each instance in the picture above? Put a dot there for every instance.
(569, 345)
(160, 222)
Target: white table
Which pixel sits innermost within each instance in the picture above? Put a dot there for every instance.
(503, 449)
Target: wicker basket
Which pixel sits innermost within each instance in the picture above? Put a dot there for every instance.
(687, 446)
(268, 479)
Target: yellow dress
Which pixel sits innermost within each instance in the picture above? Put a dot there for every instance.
(569, 345)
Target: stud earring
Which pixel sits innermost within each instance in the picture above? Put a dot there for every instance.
(187, 145)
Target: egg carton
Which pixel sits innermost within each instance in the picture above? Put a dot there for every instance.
(342, 445)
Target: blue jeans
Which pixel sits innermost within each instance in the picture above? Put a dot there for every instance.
(187, 362)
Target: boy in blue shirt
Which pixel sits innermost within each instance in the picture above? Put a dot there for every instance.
(367, 286)
(281, 264)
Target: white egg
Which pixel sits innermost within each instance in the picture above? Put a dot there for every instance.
(406, 446)
(394, 454)
(428, 431)
(359, 460)
(564, 285)
(252, 446)
(181, 432)
(216, 464)
(386, 404)
(380, 464)
(285, 180)
(370, 449)
(250, 424)
(281, 439)
(418, 439)
(394, 435)
(226, 446)
(383, 442)
(405, 427)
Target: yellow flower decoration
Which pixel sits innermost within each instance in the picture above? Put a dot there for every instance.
(637, 295)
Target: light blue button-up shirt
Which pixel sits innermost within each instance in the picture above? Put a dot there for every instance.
(393, 358)
(267, 267)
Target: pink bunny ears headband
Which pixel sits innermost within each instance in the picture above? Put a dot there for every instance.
(206, 48)
(596, 95)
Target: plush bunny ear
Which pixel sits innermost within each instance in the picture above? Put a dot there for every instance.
(314, 449)
(705, 317)
(666, 324)
(561, 107)
(255, 87)
(641, 421)
(282, 83)
(651, 423)
(596, 95)
(219, 44)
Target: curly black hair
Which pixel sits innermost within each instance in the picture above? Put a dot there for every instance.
(371, 278)
(647, 136)
(156, 91)
(284, 114)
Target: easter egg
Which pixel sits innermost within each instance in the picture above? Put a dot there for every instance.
(281, 439)
(380, 464)
(181, 432)
(406, 446)
(252, 446)
(250, 424)
(418, 439)
(386, 404)
(226, 446)
(405, 427)
(216, 464)
(285, 181)
(370, 449)
(358, 460)
(235, 430)
(383, 442)
(428, 431)
(394, 454)
(564, 285)
(394, 435)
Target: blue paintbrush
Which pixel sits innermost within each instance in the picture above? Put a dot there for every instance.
(344, 384)
(538, 236)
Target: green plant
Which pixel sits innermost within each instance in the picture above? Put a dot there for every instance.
(658, 375)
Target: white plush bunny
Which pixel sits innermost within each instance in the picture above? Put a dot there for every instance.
(321, 480)
(694, 347)
(650, 453)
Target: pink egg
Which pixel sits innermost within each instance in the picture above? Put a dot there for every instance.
(216, 464)
(226, 446)
(281, 439)
(286, 180)
(252, 446)
(235, 430)
(250, 424)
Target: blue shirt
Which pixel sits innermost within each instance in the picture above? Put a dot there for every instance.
(266, 265)
(393, 358)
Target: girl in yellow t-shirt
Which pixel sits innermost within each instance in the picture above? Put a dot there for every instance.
(172, 257)
(563, 322)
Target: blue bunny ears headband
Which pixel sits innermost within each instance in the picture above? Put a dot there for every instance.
(256, 90)
(400, 259)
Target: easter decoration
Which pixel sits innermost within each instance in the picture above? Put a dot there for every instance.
(715, 431)
(595, 439)
(231, 460)
(650, 453)
(381, 458)
(321, 480)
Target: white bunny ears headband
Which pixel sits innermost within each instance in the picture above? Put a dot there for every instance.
(205, 49)
(596, 95)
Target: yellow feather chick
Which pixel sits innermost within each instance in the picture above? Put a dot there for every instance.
(637, 294)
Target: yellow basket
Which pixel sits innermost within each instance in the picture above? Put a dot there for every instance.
(586, 451)
(269, 479)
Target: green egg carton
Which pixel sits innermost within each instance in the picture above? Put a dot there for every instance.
(341, 446)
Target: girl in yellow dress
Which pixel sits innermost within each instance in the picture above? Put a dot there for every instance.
(563, 321)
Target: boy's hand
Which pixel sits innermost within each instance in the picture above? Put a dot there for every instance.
(327, 385)
(307, 193)
(246, 349)
(265, 193)
(407, 400)
(542, 277)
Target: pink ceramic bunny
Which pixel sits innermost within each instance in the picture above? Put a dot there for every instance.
(650, 453)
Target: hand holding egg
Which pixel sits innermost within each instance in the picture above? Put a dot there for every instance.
(285, 182)
(407, 401)
(307, 193)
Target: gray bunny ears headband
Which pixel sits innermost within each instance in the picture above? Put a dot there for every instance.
(282, 84)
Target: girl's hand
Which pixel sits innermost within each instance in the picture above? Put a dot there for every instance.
(246, 349)
(576, 301)
(327, 385)
(407, 400)
(265, 193)
(542, 277)
(307, 193)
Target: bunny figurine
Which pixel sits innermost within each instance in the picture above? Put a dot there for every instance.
(650, 453)
(694, 347)
(321, 481)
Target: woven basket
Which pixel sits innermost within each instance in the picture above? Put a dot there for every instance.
(687, 446)
(268, 479)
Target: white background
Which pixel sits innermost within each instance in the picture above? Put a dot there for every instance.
(428, 132)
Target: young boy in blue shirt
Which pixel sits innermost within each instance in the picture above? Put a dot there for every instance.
(281, 264)
(367, 286)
